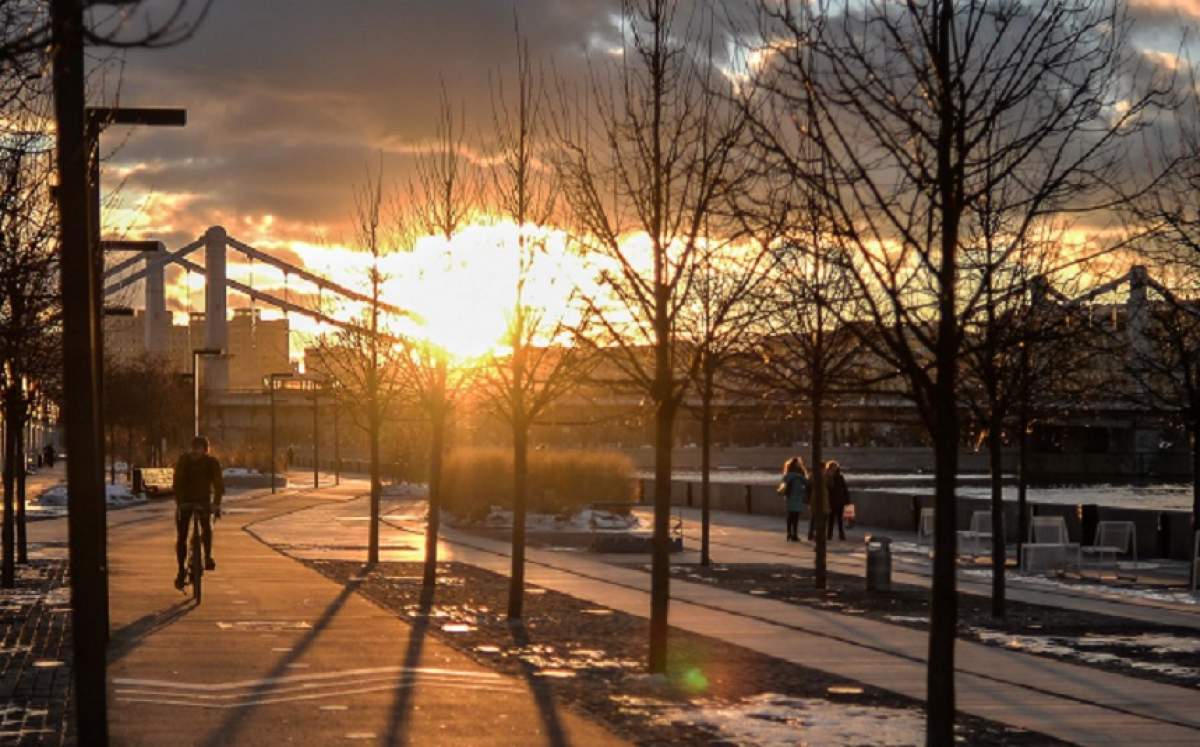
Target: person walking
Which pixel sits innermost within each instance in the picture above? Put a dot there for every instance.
(794, 487)
(839, 497)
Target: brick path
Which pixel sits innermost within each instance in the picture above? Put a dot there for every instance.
(35, 657)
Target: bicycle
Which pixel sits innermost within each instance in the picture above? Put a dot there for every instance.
(195, 558)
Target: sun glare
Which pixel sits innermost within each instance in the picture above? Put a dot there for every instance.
(463, 292)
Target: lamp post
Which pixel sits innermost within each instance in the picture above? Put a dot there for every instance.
(271, 380)
(316, 437)
(337, 449)
(197, 353)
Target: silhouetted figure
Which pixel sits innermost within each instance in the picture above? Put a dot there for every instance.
(198, 486)
(48, 456)
(794, 487)
(839, 497)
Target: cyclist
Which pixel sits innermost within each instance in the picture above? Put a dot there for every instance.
(198, 488)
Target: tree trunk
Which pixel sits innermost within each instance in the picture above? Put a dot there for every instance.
(660, 570)
(940, 706)
(817, 501)
(376, 489)
(944, 613)
(705, 466)
(1022, 481)
(1195, 495)
(995, 458)
(433, 521)
(22, 537)
(8, 565)
(516, 586)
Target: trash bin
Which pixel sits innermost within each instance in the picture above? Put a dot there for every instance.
(879, 563)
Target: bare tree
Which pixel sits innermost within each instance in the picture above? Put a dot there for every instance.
(1011, 335)
(727, 273)
(441, 200)
(804, 350)
(537, 367)
(920, 112)
(361, 358)
(643, 173)
(28, 295)
(1163, 363)
(25, 27)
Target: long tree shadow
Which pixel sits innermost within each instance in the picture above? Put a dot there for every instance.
(227, 731)
(400, 721)
(128, 637)
(542, 693)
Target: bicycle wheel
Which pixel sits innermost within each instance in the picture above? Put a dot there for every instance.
(197, 564)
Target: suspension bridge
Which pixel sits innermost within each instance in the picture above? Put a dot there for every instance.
(217, 245)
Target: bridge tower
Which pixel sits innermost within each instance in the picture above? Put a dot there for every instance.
(157, 319)
(216, 326)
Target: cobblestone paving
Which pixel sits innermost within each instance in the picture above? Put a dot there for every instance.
(35, 657)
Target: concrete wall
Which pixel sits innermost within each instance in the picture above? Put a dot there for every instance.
(1064, 467)
(1163, 534)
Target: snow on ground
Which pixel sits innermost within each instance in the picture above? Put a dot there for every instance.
(772, 720)
(1161, 497)
(53, 501)
(240, 472)
(765, 477)
(1181, 596)
(1077, 647)
(406, 490)
(1170, 496)
(581, 521)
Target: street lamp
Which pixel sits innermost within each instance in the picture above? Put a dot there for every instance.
(333, 387)
(197, 353)
(271, 381)
(316, 393)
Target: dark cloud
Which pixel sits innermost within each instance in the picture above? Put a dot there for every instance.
(289, 101)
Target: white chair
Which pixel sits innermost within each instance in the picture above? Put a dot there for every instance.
(925, 528)
(1049, 546)
(1113, 538)
(979, 536)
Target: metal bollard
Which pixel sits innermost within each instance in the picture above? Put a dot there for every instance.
(879, 563)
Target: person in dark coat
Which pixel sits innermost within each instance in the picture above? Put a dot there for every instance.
(199, 486)
(839, 497)
(49, 455)
(794, 488)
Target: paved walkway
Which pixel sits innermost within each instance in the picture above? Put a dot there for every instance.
(278, 654)
(742, 538)
(1075, 703)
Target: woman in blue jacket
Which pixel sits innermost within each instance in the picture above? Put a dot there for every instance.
(794, 488)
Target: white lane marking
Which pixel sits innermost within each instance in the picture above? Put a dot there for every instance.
(301, 687)
(241, 684)
(309, 696)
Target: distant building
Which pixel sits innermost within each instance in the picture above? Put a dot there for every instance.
(257, 346)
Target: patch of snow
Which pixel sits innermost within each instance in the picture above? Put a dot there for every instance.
(908, 618)
(1181, 596)
(240, 472)
(1156, 642)
(773, 720)
(1077, 648)
(406, 490)
(1162, 497)
(581, 521)
(117, 496)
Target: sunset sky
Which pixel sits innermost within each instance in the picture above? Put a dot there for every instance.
(289, 102)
